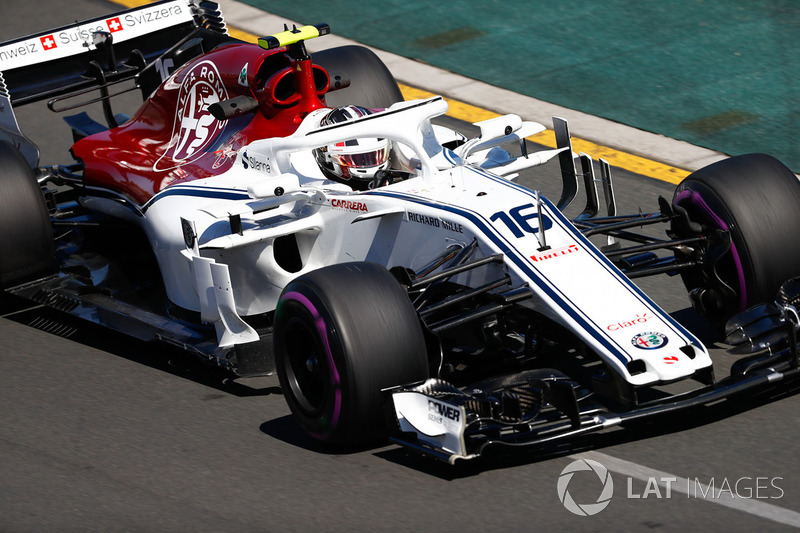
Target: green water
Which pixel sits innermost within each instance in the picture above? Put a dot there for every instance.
(719, 74)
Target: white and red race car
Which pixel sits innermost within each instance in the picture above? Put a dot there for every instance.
(433, 289)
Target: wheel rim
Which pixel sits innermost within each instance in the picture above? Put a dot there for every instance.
(310, 371)
(736, 270)
(307, 369)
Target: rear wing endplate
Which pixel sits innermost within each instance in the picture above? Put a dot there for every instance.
(123, 44)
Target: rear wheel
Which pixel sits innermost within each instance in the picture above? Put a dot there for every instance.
(755, 198)
(26, 236)
(342, 333)
(371, 83)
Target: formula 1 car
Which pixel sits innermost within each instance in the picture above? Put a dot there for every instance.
(437, 301)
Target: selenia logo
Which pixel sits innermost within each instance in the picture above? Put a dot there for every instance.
(194, 128)
(586, 509)
(249, 161)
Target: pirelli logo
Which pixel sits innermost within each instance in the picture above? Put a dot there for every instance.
(555, 252)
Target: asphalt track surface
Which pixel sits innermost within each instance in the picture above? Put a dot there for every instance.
(98, 432)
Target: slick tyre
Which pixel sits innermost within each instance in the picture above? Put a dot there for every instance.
(371, 83)
(26, 236)
(341, 334)
(757, 199)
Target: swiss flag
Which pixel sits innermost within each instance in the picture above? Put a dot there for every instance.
(114, 24)
(48, 43)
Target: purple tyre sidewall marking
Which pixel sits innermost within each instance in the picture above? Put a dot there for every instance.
(695, 199)
(322, 330)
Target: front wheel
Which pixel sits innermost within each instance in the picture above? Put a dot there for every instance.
(756, 200)
(341, 334)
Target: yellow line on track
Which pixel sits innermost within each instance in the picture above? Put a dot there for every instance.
(132, 3)
(470, 113)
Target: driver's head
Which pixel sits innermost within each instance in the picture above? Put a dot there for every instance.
(356, 159)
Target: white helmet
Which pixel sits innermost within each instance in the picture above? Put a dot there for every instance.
(355, 159)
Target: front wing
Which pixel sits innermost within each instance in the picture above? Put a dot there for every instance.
(543, 408)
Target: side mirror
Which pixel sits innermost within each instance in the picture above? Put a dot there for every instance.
(499, 126)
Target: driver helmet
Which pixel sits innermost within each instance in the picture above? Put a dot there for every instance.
(354, 159)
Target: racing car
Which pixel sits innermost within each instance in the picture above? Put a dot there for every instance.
(275, 211)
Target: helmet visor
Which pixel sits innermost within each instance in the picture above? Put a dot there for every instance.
(369, 159)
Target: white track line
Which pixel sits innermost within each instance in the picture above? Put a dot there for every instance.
(694, 489)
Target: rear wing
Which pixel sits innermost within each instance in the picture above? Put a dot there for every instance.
(123, 44)
(143, 44)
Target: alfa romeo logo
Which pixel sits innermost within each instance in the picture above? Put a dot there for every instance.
(194, 127)
(586, 509)
(650, 340)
